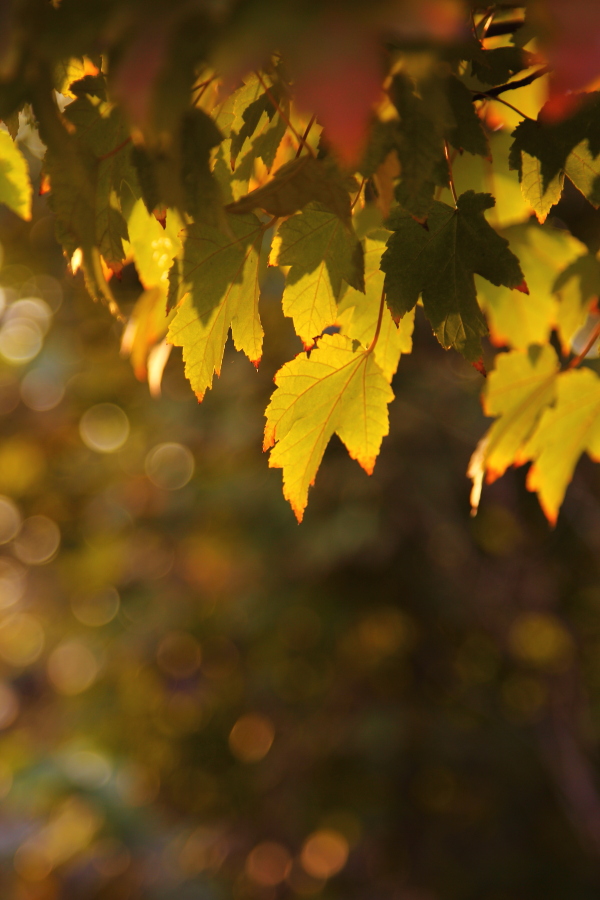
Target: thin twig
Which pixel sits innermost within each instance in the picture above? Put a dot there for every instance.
(379, 321)
(202, 88)
(285, 118)
(590, 343)
(304, 138)
(512, 85)
(450, 175)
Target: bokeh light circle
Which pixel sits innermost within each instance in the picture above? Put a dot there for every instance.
(32, 309)
(324, 853)
(104, 428)
(20, 340)
(13, 579)
(170, 466)
(38, 541)
(41, 391)
(96, 609)
(10, 519)
(21, 639)
(179, 654)
(9, 705)
(268, 864)
(251, 737)
(72, 667)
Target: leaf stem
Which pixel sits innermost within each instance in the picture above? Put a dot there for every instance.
(305, 136)
(115, 150)
(358, 193)
(450, 175)
(302, 140)
(519, 112)
(512, 85)
(590, 343)
(373, 343)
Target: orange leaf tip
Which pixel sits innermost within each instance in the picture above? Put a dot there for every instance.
(522, 287)
(480, 367)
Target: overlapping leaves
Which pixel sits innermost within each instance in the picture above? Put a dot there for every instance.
(194, 206)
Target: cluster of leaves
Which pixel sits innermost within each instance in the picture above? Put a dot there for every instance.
(203, 178)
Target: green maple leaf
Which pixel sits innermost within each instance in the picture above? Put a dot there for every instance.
(442, 111)
(420, 145)
(222, 273)
(496, 66)
(439, 263)
(334, 390)
(520, 388)
(199, 135)
(322, 254)
(467, 133)
(86, 175)
(358, 312)
(298, 183)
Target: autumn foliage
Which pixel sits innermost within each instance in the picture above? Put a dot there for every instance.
(381, 157)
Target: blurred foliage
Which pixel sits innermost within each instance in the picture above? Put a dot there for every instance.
(199, 699)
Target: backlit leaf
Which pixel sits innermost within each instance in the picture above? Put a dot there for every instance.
(439, 263)
(566, 430)
(358, 312)
(296, 184)
(521, 386)
(222, 271)
(322, 254)
(518, 319)
(334, 390)
(15, 186)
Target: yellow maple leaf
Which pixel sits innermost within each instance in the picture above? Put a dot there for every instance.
(517, 391)
(565, 431)
(332, 390)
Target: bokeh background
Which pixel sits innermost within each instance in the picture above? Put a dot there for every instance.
(201, 699)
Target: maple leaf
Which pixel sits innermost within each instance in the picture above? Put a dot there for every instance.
(87, 167)
(180, 176)
(442, 110)
(521, 386)
(543, 153)
(334, 390)
(298, 183)
(358, 313)
(578, 287)
(222, 273)
(497, 65)
(484, 175)
(322, 253)
(419, 142)
(257, 120)
(517, 319)
(199, 135)
(467, 132)
(439, 263)
(565, 431)
(154, 247)
(15, 186)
